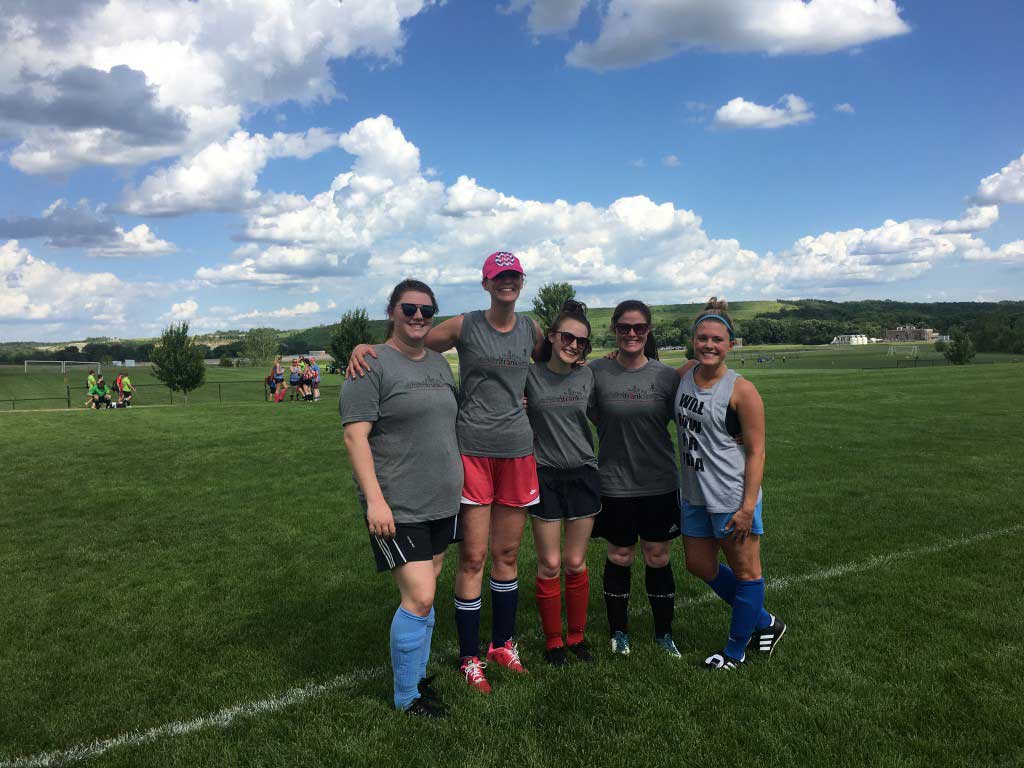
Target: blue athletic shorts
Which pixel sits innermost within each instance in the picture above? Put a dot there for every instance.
(701, 524)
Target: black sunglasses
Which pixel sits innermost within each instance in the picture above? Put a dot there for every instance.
(639, 329)
(582, 342)
(427, 310)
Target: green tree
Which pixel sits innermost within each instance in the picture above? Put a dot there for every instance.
(960, 349)
(177, 361)
(549, 300)
(260, 345)
(354, 329)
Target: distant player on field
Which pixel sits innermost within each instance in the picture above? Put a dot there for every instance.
(720, 423)
(400, 435)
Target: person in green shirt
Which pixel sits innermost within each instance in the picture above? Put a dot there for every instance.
(89, 384)
(100, 394)
(127, 392)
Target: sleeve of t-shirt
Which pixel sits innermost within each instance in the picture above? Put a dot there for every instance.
(360, 398)
(592, 411)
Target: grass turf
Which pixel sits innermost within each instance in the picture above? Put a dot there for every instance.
(158, 565)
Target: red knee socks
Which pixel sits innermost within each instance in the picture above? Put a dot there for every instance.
(577, 597)
(549, 603)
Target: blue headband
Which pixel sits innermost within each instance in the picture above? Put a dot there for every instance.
(721, 319)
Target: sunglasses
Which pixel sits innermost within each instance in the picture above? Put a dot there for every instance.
(427, 310)
(582, 342)
(639, 329)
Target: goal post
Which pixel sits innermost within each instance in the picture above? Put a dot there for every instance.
(63, 365)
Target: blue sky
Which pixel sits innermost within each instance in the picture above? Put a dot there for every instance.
(259, 165)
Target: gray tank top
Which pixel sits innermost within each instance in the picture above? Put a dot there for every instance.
(493, 367)
(711, 462)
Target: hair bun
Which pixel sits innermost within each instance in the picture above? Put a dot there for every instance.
(715, 303)
(574, 307)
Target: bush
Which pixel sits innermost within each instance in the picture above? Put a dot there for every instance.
(226, 362)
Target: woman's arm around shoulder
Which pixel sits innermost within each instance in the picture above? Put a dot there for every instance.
(538, 340)
(687, 365)
(444, 336)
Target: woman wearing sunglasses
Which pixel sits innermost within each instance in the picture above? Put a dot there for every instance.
(495, 347)
(400, 435)
(639, 481)
(720, 422)
(558, 393)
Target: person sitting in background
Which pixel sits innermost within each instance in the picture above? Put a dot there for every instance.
(99, 394)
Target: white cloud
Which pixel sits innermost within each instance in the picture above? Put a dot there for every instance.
(366, 232)
(635, 32)
(1009, 252)
(740, 113)
(305, 308)
(1006, 186)
(184, 310)
(845, 108)
(670, 161)
(548, 16)
(190, 70)
(32, 289)
(221, 176)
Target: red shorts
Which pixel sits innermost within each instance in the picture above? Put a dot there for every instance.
(509, 482)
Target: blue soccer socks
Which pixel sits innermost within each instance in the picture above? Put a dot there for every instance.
(428, 636)
(504, 604)
(724, 585)
(408, 635)
(467, 624)
(747, 607)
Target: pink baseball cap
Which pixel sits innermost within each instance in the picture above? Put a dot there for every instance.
(502, 261)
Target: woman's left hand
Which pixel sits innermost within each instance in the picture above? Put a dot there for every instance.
(740, 524)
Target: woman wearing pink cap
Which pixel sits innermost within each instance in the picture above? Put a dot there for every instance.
(496, 442)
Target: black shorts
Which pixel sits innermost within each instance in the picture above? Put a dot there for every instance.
(624, 520)
(414, 542)
(567, 494)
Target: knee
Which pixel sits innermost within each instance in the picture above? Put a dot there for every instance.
(621, 557)
(419, 604)
(548, 567)
(657, 558)
(702, 569)
(747, 571)
(506, 555)
(575, 566)
(472, 562)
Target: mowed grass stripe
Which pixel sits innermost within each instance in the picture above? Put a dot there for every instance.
(161, 564)
(300, 695)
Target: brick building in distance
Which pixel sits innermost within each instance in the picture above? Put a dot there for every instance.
(910, 333)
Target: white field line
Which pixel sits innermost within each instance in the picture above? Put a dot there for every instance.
(778, 583)
(221, 719)
(295, 696)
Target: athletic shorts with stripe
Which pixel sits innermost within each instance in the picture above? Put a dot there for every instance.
(509, 482)
(414, 542)
(624, 520)
(567, 494)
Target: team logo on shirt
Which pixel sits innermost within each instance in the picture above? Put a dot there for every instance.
(509, 360)
(568, 396)
(430, 381)
(635, 393)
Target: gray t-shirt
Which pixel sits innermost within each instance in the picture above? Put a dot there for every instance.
(492, 378)
(412, 406)
(633, 409)
(557, 406)
(712, 463)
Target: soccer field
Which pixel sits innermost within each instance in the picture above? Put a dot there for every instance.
(194, 587)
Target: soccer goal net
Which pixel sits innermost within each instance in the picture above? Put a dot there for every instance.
(60, 366)
(903, 350)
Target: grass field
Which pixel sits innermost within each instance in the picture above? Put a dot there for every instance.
(44, 389)
(183, 587)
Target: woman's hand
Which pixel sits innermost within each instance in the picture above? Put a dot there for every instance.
(740, 524)
(379, 519)
(357, 362)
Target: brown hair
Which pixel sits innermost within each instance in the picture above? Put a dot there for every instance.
(716, 309)
(409, 284)
(571, 310)
(633, 305)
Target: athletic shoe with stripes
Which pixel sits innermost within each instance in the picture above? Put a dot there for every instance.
(473, 669)
(668, 645)
(765, 640)
(719, 661)
(620, 644)
(506, 655)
